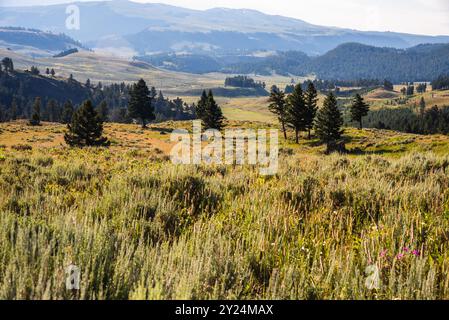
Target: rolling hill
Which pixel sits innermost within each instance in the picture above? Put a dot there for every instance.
(36, 42)
(133, 28)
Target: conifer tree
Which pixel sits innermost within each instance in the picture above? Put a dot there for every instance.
(201, 106)
(36, 116)
(213, 117)
(67, 112)
(359, 109)
(329, 122)
(52, 72)
(296, 111)
(86, 128)
(278, 106)
(140, 106)
(311, 101)
(103, 111)
(422, 106)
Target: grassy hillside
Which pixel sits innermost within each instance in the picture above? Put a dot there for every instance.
(142, 228)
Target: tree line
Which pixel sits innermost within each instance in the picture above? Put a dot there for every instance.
(18, 91)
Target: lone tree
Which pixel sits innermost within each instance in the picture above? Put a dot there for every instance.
(140, 106)
(328, 123)
(278, 106)
(359, 109)
(86, 128)
(212, 116)
(36, 116)
(52, 72)
(311, 100)
(67, 112)
(296, 111)
(8, 64)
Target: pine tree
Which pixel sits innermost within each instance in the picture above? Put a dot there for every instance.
(53, 111)
(311, 100)
(359, 109)
(296, 111)
(86, 128)
(36, 117)
(328, 122)
(278, 106)
(201, 106)
(52, 72)
(14, 109)
(422, 106)
(103, 111)
(8, 64)
(140, 105)
(67, 112)
(213, 117)
(47, 71)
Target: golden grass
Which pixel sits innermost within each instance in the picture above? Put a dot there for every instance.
(140, 227)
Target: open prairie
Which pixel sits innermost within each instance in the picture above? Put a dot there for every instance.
(140, 227)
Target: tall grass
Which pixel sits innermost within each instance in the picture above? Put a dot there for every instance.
(142, 228)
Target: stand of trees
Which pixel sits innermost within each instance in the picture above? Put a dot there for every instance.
(18, 91)
(210, 112)
(243, 82)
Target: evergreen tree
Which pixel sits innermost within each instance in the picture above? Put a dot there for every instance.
(213, 117)
(36, 116)
(359, 109)
(103, 111)
(296, 111)
(311, 100)
(14, 109)
(329, 122)
(201, 106)
(88, 83)
(140, 105)
(52, 72)
(86, 128)
(67, 112)
(47, 71)
(278, 106)
(388, 85)
(8, 64)
(422, 106)
(53, 111)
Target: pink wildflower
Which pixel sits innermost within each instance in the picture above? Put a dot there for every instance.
(400, 256)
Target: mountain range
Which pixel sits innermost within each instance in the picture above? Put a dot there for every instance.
(130, 28)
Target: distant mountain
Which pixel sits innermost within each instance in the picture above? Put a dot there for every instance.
(357, 61)
(349, 61)
(134, 28)
(36, 41)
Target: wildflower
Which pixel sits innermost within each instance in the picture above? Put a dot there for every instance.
(400, 256)
(405, 249)
(383, 253)
(416, 252)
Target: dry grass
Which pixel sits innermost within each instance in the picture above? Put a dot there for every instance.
(142, 228)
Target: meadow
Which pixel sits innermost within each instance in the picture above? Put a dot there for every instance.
(140, 227)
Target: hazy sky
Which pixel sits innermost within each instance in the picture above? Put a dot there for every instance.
(412, 16)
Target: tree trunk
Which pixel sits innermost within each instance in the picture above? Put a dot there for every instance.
(297, 137)
(360, 124)
(309, 136)
(144, 124)
(285, 132)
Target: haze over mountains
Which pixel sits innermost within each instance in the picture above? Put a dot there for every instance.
(137, 29)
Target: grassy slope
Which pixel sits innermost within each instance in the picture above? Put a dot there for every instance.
(142, 228)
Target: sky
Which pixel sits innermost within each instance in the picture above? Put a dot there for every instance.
(430, 17)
